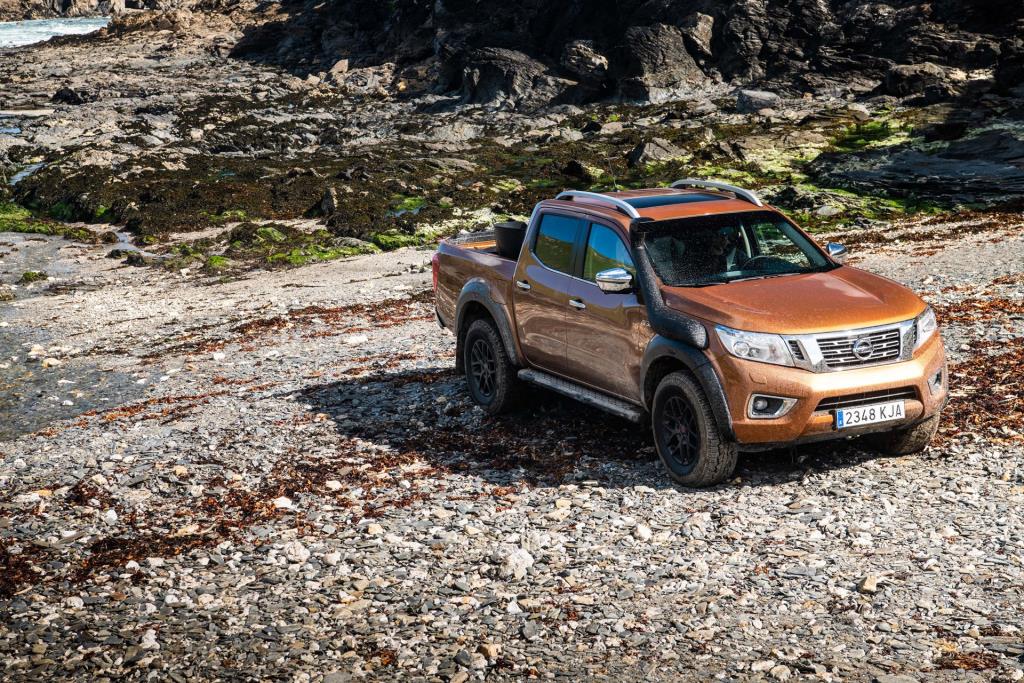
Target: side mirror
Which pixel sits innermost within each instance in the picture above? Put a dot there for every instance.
(615, 280)
(837, 251)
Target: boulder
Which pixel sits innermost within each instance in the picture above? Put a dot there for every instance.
(586, 64)
(68, 95)
(753, 101)
(656, 65)
(655, 149)
(509, 78)
(577, 169)
(698, 32)
(927, 79)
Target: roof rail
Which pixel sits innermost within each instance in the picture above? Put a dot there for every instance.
(619, 204)
(715, 185)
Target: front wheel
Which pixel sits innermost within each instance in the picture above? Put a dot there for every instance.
(905, 441)
(686, 434)
(490, 375)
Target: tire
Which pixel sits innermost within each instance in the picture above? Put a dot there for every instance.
(905, 441)
(686, 435)
(490, 375)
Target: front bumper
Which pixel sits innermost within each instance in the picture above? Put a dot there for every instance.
(805, 422)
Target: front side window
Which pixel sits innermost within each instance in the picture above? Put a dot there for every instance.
(556, 237)
(710, 250)
(605, 250)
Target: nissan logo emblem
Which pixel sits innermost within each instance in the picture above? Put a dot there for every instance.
(862, 348)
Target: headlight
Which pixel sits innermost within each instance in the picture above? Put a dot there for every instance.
(926, 326)
(763, 348)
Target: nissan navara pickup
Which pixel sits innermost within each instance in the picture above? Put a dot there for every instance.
(699, 308)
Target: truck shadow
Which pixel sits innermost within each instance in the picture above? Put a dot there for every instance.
(426, 415)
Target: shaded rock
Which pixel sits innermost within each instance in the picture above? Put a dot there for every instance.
(655, 149)
(577, 169)
(657, 65)
(501, 77)
(67, 95)
(927, 79)
(698, 31)
(581, 60)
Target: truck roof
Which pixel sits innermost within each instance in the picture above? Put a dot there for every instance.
(662, 203)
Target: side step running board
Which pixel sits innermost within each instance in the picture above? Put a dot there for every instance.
(614, 406)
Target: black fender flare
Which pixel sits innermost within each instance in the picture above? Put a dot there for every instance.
(700, 367)
(477, 290)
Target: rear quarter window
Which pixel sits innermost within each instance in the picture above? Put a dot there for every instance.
(556, 238)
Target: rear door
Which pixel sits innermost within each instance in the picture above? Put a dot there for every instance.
(541, 289)
(603, 328)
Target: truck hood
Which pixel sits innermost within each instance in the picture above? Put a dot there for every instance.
(840, 299)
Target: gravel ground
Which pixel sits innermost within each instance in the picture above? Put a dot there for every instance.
(290, 483)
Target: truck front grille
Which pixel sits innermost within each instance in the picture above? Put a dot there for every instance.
(867, 397)
(860, 349)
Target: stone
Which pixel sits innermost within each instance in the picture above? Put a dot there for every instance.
(927, 80)
(509, 78)
(656, 65)
(752, 101)
(655, 149)
(374, 529)
(859, 112)
(490, 650)
(582, 61)
(515, 563)
(295, 552)
(868, 584)
(698, 30)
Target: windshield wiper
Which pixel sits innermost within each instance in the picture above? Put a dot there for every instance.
(766, 276)
(704, 283)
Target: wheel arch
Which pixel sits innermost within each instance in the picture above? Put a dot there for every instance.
(475, 302)
(664, 356)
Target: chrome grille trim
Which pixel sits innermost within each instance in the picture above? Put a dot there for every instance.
(835, 351)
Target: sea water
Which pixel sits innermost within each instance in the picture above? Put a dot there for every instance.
(18, 33)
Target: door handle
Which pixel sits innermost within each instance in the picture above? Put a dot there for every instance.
(523, 285)
(577, 304)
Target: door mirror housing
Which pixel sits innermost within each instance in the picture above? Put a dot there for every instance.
(837, 252)
(614, 280)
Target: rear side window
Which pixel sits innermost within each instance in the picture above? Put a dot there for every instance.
(555, 240)
(605, 250)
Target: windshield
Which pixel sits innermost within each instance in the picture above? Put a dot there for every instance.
(708, 250)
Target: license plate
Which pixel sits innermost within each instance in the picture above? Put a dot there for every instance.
(865, 415)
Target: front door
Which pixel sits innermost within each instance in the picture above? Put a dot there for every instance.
(603, 329)
(541, 290)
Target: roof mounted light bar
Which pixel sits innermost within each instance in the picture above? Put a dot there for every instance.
(622, 206)
(715, 185)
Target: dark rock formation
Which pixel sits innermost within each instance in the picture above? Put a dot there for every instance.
(533, 52)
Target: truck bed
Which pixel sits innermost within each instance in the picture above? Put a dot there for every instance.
(473, 256)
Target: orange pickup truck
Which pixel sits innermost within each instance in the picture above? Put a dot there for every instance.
(699, 308)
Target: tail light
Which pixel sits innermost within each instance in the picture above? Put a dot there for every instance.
(435, 267)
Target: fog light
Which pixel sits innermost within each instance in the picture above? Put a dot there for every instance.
(935, 383)
(763, 407)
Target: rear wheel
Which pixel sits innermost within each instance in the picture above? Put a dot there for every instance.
(490, 375)
(905, 441)
(687, 436)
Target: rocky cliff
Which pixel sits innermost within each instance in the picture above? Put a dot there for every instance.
(535, 52)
